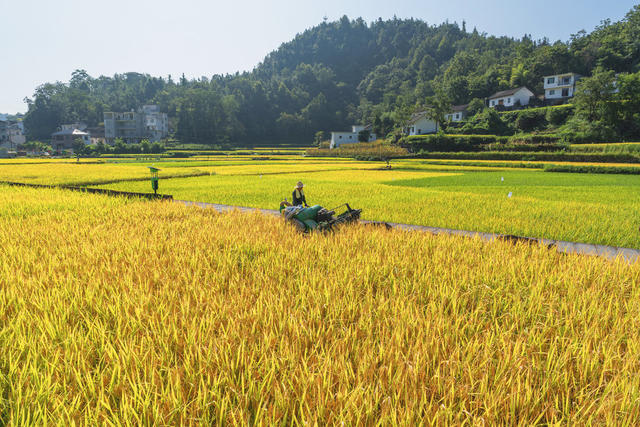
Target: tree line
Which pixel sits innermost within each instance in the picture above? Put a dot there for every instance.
(340, 73)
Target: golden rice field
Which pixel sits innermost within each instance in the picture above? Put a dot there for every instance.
(588, 208)
(41, 160)
(86, 173)
(115, 311)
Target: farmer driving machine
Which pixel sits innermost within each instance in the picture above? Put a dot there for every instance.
(318, 218)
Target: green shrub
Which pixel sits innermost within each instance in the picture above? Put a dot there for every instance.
(535, 139)
(542, 118)
(529, 120)
(628, 170)
(557, 116)
(487, 121)
(527, 147)
(579, 130)
(361, 150)
(441, 142)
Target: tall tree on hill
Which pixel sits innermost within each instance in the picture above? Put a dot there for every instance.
(594, 95)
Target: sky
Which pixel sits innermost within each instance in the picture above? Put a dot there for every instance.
(46, 40)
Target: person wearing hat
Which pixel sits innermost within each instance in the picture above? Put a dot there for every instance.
(298, 195)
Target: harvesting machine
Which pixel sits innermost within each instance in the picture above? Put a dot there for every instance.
(318, 218)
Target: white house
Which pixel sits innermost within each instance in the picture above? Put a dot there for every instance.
(457, 114)
(340, 138)
(560, 86)
(420, 124)
(511, 97)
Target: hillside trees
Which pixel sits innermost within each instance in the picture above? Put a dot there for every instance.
(339, 73)
(608, 106)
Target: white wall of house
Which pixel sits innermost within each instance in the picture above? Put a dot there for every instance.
(559, 93)
(521, 97)
(341, 138)
(458, 116)
(560, 85)
(422, 126)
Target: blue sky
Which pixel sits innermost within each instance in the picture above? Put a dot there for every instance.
(45, 40)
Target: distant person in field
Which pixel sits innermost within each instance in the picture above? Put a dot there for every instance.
(298, 195)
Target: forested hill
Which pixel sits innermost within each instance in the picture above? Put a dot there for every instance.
(338, 73)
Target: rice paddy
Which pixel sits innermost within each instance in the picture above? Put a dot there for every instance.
(588, 208)
(116, 311)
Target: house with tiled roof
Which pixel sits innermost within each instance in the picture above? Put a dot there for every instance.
(341, 138)
(511, 98)
(64, 139)
(420, 124)
(458, 113)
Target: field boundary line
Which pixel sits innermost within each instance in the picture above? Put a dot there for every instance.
(609, 252)
(114, 181)
(298, 171)
(107, 192)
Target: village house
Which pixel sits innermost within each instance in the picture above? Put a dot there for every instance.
(11, 133)
(458, 113)
(71, 126)
(560, 87)
(16, 134)
(147, 123)
(96, 134)
(340, 138)
(511, 98)
(420, 124)
(67, 136)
